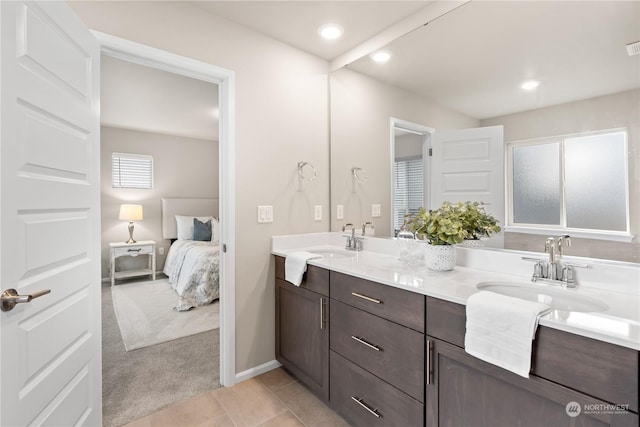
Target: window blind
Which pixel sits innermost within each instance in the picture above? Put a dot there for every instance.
(131, 171)
(408, 189)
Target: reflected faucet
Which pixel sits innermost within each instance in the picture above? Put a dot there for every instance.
(354, 243)
(364, 227)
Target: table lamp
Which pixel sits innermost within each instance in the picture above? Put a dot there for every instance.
(130, 213)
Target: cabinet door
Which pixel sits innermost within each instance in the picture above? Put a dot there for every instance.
(302, 335)
(465, 391)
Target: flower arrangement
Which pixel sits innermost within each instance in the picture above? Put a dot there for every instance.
(451, 224)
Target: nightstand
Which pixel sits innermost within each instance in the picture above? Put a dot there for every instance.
(146, 247)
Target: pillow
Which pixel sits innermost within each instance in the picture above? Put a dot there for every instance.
(201, 230)
(185, 226)
(215, 231)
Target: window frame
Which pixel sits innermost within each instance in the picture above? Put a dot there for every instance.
(132, 156)
(622, 236)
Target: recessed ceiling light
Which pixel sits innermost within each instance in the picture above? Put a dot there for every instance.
(381, 56)
(330, 31)
(530, 85)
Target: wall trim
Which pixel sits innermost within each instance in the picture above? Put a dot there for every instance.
(257, 370)
(128, 50)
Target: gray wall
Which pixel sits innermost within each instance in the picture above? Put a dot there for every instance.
(606, 112)
(281, 117)
(361, 108)
(182, 167)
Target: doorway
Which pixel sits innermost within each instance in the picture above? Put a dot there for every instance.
(224, 79)
(410, 150)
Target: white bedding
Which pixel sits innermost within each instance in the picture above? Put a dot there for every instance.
(193, 271)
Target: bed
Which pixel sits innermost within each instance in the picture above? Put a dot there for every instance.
(193, 262)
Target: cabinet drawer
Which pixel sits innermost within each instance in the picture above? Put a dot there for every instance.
(603, 370)
(446, 321)
(366, 400)
(133, 251)
(315, 279)
(392, 352)
(397, 305)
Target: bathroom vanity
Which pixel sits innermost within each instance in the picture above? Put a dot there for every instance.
(385, 355)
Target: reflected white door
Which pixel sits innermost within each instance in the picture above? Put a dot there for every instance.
(468, 164)
(50, 364)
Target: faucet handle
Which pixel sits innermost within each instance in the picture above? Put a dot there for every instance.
(344, 227)
(364, 227)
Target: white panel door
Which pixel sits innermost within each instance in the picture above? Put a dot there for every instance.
(468, 164)
(50, 364)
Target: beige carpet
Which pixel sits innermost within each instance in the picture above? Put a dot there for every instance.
(145, 315)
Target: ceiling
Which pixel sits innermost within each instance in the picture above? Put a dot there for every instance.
(147, 99)
(475, 58)
(296, 23)
(472, 59)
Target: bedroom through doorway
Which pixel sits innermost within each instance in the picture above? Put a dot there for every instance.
(161, 338)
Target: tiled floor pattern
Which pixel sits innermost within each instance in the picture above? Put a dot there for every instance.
(273, 399)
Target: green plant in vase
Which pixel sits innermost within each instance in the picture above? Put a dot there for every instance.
(476, 221)
(442, 226)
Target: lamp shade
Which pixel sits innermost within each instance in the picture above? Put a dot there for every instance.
(130, 213)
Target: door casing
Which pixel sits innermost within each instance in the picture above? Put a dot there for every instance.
(225, 79)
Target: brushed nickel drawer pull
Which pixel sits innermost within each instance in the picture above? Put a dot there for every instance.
(361, 341)
(355, 294)
(322, 304)
(429, 363)
(373, 412)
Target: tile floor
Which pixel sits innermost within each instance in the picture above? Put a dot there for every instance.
(273, 399)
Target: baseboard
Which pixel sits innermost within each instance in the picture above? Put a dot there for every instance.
(257, 370)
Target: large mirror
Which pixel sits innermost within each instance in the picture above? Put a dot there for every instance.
(465, 70)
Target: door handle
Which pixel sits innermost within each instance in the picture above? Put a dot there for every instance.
(10, 298)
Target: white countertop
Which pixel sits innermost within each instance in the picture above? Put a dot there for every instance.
(617, 284)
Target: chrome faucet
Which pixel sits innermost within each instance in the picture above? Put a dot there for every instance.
(354, 243)
(364, 228)
(554, 270)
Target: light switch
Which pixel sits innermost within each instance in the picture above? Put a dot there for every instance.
(339, 212)
(375, 211)
(265, 214)
(317, 213)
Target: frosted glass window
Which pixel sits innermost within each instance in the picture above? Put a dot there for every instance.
(536, 184)
(595, 182)
(571, 183)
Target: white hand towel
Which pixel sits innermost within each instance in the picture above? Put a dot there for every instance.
(295, 264)
(500, 330)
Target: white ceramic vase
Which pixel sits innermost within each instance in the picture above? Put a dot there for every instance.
(440, 257)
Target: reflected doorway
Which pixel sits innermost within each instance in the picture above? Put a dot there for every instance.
(410, 151)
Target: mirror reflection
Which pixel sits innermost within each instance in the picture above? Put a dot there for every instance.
(465, 70)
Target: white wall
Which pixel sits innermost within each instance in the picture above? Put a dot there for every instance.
(361, 109)
(281, 119)
(182, 167)
(621, 110)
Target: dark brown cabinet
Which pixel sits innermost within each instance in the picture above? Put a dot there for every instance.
(361, 346)
(366, 400)
(465, 391)
(302, 329)
(377, 352)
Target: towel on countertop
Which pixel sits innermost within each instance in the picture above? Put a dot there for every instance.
(500, 330)
(295, 264)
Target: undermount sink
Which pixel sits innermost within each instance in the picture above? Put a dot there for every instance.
(557, 298)
(333, 253)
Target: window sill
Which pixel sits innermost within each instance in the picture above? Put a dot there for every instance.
(596, 235)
